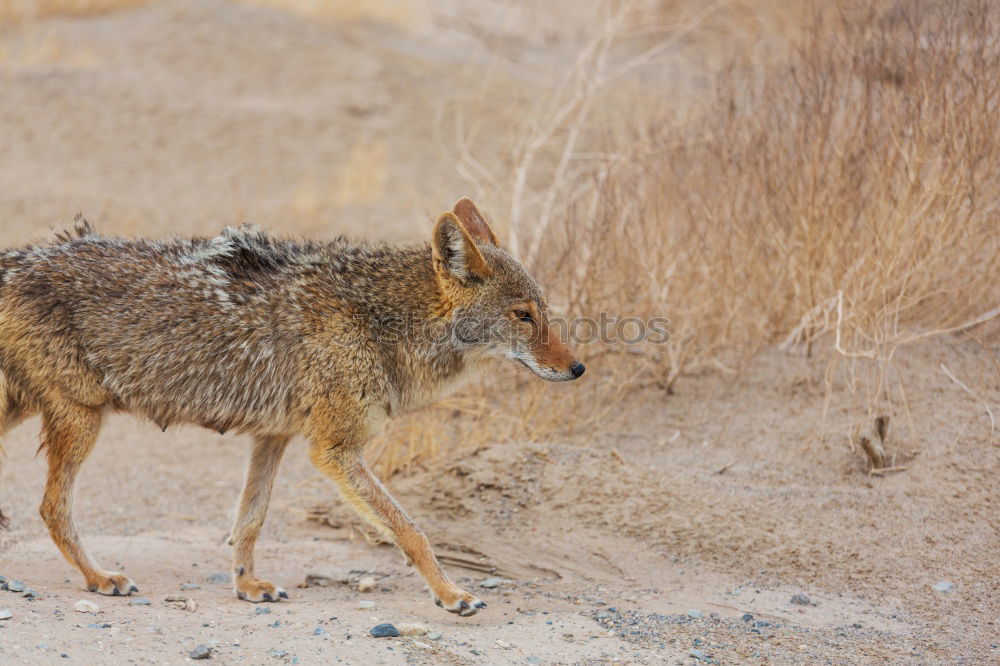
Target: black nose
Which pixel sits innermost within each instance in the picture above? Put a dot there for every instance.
(577, 369)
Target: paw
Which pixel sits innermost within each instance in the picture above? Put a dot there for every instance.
(256, 590)
(111, 584)
(460, 602)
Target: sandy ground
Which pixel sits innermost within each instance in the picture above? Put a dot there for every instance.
(648, 546)
(604, 557)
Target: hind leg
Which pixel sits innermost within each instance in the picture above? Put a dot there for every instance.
(250, 515)
(68, 437)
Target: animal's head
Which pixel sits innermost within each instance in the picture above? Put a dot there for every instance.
(497, 308)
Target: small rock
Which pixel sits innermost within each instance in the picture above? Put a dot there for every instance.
(5, 614)
(695, 614)
(532, 660)
(320, 631)
(190, 586)
(503, 645)
(29, 594)
(218, 578)
(365, 604)
(491, 583)
(422, 645)
(384, 631)
(140, 601)
(277, 654)
(944, 586)
(275, 624)
(413, 629)
(697, 654)
(366, 584)
(319, 580)
(201, 652)
(800, 600)
(747, 617)
(434, 636)
(14, 586)
(262, 610)
(86, 606)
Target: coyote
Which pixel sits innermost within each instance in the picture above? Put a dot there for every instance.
(267, 337)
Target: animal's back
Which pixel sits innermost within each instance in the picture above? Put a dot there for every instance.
(203, 330)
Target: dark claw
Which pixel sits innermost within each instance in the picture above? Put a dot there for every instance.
(133, 588)
(480, 604)
(463, 606)
(117, 592)
(438, 602)
(241, 595)
(92, 588)
(283, 595)
(267, 596)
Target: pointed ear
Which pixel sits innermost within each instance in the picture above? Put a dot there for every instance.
(474, 223)
(455, 253)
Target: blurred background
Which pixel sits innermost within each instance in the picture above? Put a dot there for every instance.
(808, 191)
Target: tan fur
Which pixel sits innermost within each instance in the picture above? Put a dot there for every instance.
(264, 336)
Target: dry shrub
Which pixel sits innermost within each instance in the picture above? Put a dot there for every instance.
(844, 202)
(26, 10)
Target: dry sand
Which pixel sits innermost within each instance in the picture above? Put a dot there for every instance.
(726, 498)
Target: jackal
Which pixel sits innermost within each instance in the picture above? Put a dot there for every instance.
(267, 337)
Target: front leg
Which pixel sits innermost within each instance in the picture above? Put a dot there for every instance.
(250, 515)
(346, 466)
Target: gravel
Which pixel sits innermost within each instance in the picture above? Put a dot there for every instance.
(491, 583)
(14, 586)
(219, 578)
(384, 631)
(944, 586)
(201, 652)
(800, 600)
(86, 606)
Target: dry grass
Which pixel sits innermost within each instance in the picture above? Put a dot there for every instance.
(844, 202)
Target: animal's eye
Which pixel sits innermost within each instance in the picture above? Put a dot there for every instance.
(523, 315)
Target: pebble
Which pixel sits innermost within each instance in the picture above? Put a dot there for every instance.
(277, 654)
(320, 631)
(695, 614)
(747, 617)
(434, 635)
(532, 660)
(140, 601)
(218, 578)
(384, 631)
(366, 584)
(800, 600)
(29, 594)
(422, 645)
(366, 604)
(14, 586)
(413, 629)
(503, 645)
(944, 586)
(201, 652)
(490, 583)
(190, 586)
(5, 614)
(262, 610)
(86, 606)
